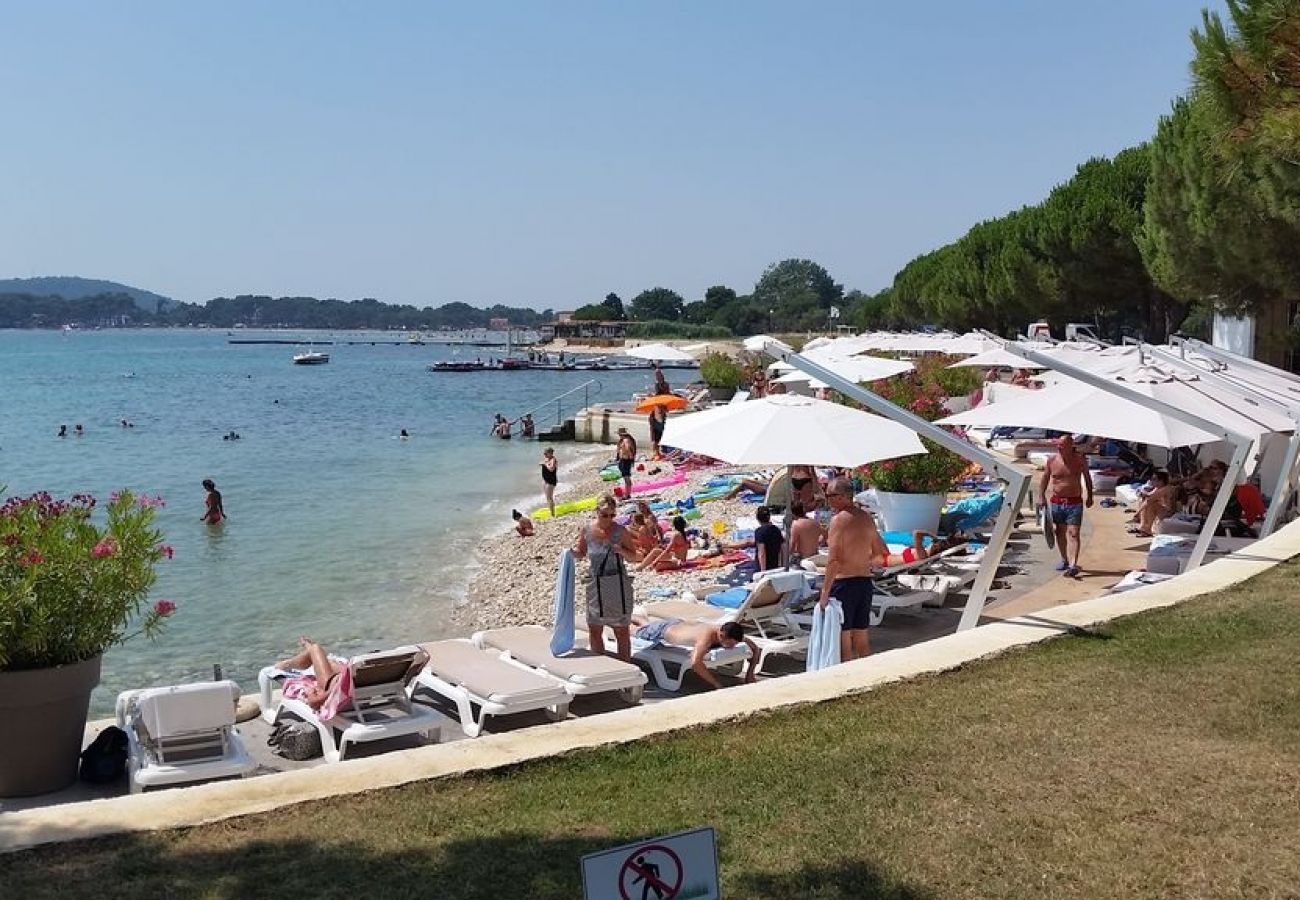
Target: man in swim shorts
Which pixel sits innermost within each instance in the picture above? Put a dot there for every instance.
(701, 637)
(1063, 485)
(854, 547)
(625, 453)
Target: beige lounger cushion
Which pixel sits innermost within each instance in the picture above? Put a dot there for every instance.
(482, 672)
(531, 646)
(688, 610)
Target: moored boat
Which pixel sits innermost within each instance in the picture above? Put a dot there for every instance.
(311, 358)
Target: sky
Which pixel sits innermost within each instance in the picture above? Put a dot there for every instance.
(546, 153)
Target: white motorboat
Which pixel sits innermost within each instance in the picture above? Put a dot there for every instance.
(310, 358)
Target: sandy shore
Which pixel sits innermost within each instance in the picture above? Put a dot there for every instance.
(515, 581)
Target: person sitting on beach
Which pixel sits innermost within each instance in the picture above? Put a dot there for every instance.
(1156, 505)
(523, 524)
(806, 535)
(701, 637)
(644, 533)
(671, 555)
(651, 520)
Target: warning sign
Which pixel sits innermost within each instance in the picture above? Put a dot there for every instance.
(681, 866)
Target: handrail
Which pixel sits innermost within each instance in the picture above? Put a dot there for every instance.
(585, 387)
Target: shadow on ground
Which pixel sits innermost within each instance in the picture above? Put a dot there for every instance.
(521, 865)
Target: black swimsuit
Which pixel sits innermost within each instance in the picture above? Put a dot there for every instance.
(799, 483)
(548, 474)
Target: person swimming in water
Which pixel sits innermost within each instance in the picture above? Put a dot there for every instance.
(63, 431)
(216, 511)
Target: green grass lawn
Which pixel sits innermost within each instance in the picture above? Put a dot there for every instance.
(1158, 758)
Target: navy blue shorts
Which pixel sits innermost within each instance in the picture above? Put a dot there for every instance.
(854, 595)
(625, 468)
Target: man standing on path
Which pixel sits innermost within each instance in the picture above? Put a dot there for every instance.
(855, 548)
(626, 455)
(1065, 479)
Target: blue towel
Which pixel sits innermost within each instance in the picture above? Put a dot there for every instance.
(824, 642)
(562, 636)
(654, 632)
(729, 599)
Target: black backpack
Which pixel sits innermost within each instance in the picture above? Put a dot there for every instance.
(104, 760)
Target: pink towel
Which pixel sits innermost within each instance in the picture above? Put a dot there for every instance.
(339, 696)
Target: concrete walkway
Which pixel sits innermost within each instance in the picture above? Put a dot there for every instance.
(211, 802)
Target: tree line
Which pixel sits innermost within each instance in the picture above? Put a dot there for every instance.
(30, 311)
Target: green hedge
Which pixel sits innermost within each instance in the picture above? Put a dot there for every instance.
(661, 328)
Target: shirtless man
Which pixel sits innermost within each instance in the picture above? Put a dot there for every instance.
(854, 548)
(1063, 485)
(805, 534)
(626, 455)
(702, 636)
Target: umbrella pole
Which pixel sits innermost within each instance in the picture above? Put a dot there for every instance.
(1012, 502)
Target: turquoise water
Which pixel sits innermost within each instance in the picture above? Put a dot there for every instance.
(337, 529)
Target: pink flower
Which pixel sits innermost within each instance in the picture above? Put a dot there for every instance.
(167, 550)
(106, 547)
(147, 502)
(164, 608)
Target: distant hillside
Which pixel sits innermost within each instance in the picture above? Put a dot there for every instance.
(72, 288)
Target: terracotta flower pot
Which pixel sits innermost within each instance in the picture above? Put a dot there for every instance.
(44, 715)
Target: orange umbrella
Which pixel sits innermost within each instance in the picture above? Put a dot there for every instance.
(668, 401)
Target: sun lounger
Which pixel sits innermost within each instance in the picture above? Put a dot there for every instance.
(669, 663)
(580, 671)
(470, 676)
(904, 585)
(379, 709)
(182, 734)
(762, 605)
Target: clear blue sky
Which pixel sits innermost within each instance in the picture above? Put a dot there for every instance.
(545, 153)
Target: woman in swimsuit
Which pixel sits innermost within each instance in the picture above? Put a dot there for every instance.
(674, 554)
(803, 486)
(313, 689)
(606, 545)
(216, 512)
(549, 468)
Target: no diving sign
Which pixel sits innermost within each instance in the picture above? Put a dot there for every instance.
(682, 866)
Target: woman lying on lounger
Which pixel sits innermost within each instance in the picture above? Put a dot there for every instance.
(313, 689)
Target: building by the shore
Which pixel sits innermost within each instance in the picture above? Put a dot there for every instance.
(599, 334)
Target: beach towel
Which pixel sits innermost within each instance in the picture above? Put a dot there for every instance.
(824, 641)
(971, 512)
(565, 588)
(729, 599)
(653, 633)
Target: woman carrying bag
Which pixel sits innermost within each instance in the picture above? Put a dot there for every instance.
(607, 546)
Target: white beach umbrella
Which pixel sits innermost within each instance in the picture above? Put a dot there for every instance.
(1076, 407)
(996, 359)
(789, 430)
(855, 368)
(658, 353)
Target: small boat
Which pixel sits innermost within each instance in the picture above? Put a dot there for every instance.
(311, 358)
(456, 367)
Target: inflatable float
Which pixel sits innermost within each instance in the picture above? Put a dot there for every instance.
(658, 484)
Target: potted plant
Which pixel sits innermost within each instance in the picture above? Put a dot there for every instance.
(722, 374)
(910, 492)
(69, 589)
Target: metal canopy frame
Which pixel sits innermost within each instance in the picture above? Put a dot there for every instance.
(1286, 476)
(1017, 482)
(1240, 443)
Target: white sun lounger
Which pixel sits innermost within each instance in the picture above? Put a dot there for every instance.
(770, 596)
(182, 734)
(580, 671)
(919, 583)
(669, 663)
(380, 708)
(470, 676)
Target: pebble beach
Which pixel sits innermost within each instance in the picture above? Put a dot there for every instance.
(514, 583)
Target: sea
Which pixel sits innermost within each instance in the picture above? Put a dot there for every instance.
(338, 529)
